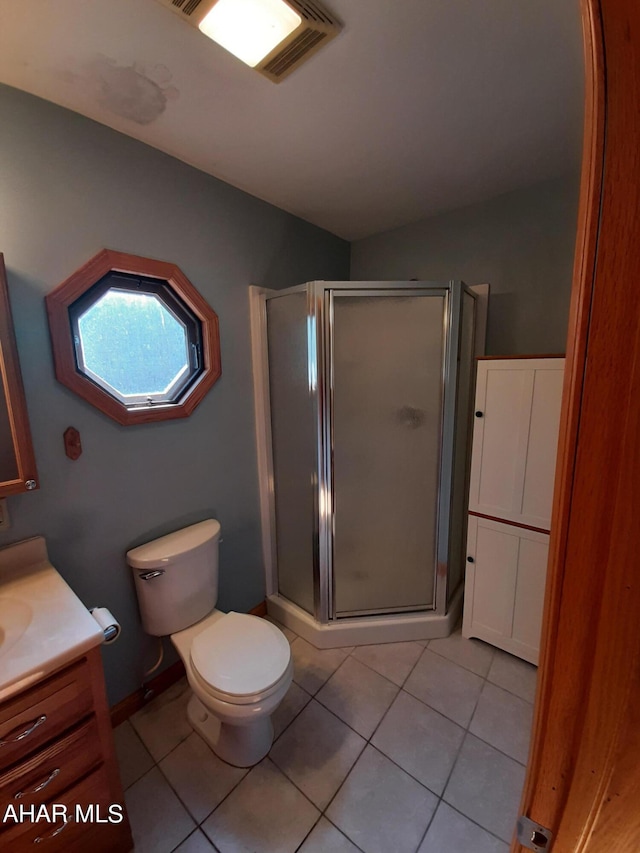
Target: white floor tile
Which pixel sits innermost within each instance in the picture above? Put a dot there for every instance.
(325, 838)
(451, 832)
(197, 842)
(264, 814)
(358, 695)
(314, 666)
(199, 777)
(486, 786)
(316, 753)
(393, 660)
(471, 654)
(515, 675)
(163, 723)
(134, 759)
(504, 721)
(445, 686)
(380, 808)
(159, 821)
(421, 741)
(289, 708)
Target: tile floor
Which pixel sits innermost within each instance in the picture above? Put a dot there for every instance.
(397, 748)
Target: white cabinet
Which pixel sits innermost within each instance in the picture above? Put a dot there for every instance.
(505, 586)
(513, 460)
(514, 439)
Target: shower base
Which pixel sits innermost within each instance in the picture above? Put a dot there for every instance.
(366, 630)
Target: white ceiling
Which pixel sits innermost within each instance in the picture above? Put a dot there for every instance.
(418, 106)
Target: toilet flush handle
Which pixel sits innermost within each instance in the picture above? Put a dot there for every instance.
(147, 576)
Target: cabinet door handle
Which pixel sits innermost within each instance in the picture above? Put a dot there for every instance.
(41, 838)
(470, 560)
(30, 728)
(39, 787)
(479, 414)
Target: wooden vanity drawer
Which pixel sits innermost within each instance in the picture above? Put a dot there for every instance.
(72, 836)
(38, 715)
(53, 769)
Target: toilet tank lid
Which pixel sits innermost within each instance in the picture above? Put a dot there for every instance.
(161, 551)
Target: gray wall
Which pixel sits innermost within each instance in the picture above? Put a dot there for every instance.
(70, 187)
(522, 243)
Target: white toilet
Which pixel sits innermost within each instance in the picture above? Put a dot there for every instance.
(238, 666)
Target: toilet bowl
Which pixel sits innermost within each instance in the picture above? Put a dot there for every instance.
(238, 666)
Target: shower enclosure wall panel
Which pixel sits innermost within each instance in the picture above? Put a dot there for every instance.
(293, 446)
(369, 410)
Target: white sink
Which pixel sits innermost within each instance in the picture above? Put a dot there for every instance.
(43, 623)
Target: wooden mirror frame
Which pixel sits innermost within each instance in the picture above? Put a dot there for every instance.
(27, 479)
(62, 298)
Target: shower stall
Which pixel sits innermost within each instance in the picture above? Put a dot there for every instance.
(367, 388)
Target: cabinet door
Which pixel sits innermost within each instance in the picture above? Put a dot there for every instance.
(515, 439)
(504, 590)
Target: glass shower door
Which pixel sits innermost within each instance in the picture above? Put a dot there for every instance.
(387, 374)
(293, 445)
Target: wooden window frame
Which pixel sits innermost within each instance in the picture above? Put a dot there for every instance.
(60, 300)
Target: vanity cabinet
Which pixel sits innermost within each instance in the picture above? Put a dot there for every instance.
(17, 461)
(515, 437)
(56, 746)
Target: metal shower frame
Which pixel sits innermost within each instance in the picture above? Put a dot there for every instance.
(321, 297)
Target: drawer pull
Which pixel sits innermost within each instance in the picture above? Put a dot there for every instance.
(32, 727)
(41, 838)
(39, 787)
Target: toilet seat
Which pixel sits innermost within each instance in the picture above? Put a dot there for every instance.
(240, 659)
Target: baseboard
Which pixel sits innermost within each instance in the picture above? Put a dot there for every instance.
(259, 610)
(122, 710)
(132, 703)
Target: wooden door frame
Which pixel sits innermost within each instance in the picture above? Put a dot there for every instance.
(583, 776)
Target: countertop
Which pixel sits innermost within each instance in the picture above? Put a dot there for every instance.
(43, 624)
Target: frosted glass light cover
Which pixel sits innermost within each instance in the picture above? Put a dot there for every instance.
(250, 29)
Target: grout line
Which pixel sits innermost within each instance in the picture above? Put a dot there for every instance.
(296, 715)
(486, 677)
(344, 834)
(186, 838)
(431, 819)
(179, 798)
(310, 831)
(497, 749)
(461, 665)
(510, 692)
(377, 672)
(475, 823)
(144, 746)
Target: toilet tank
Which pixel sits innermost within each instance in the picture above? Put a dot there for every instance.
(176, 577)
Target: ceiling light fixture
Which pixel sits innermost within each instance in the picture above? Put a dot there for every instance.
(250, 29)
(272, 36)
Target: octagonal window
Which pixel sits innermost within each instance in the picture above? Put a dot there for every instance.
(133, 337)
(136, 339)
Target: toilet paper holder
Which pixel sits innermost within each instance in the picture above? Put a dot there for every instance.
(107, 621)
